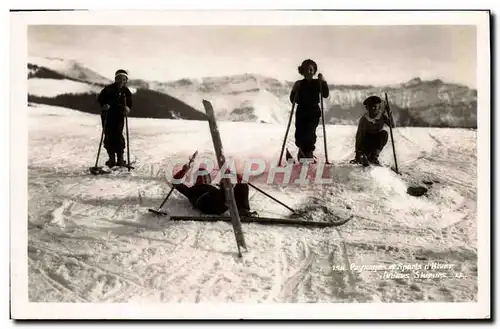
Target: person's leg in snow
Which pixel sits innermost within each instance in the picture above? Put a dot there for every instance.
(120, 141)
(300, 133)
(310, 141)
(184, 190)
(106, 121)
(242, 202)
(305, 135)
(377, 144)
(211, 200)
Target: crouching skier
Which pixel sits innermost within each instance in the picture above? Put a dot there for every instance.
(115, 99)
(371, 137)
(209, 199)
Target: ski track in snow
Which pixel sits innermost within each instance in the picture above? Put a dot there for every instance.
(91, 239)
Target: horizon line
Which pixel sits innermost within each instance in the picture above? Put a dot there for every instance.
(253, 74)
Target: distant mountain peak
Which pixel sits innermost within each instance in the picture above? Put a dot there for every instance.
(413, 82)
(70, 68)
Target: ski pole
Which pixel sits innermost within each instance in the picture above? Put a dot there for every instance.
(128, 147)
(389, 113)
(102, 138)
(271, 197)
(166, 198)
(320, 76)
(288, 127)
(159, 211)
(126, 128)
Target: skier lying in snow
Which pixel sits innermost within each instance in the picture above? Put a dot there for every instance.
(115, 99)
(209, 199)
(371, 136)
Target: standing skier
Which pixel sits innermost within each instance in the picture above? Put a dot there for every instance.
(212, 200)
(306, 93)
(371, 136)
(115, 99)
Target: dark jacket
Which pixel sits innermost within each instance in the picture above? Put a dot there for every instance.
(308, 94)
(370, 127)
(210, 199)
(204, 197)
(116, 98)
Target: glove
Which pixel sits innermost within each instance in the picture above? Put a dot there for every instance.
(182, 172)
(126, 109)
(387, 108)
(239, 178)
(105, 107)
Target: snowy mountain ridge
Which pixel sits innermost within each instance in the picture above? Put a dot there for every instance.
(257, 98)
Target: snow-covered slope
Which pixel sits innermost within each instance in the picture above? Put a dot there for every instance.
(253, 105)
(55, 87)
(91, 239)
(68, 68)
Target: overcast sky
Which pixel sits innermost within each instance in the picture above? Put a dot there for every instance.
(345, 54)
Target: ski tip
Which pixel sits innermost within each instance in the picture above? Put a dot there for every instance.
(98, 171)
(157, 212)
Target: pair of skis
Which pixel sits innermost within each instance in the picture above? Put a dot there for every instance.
(225, 182)
(265, 220)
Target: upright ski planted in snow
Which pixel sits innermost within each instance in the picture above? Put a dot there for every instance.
(225, 182)
(391, 119)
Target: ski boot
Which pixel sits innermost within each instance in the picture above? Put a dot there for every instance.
(360, 158)
(373, 159)
(120, 161)
(247, 213)
(364, 160)
(307, 156)
(300, 155)
(111, 161)
(310, 156)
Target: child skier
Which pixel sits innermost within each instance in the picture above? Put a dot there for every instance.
(305, 93)
(212, 200)
(115, 99)
(371, 136)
